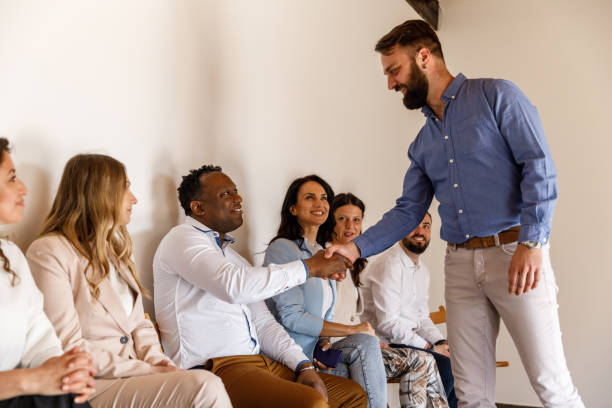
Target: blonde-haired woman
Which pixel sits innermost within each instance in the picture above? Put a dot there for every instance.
(34, 372)
(83, 264)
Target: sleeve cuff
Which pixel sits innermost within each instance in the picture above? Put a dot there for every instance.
(419, 342)
(437, 339)
(306, 269)
(535, 233)
(299, 365)
(364, 246)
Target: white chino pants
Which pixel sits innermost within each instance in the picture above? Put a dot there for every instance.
(476, 293)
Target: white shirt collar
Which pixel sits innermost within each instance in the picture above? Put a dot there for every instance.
(406, 257)
(200, 226)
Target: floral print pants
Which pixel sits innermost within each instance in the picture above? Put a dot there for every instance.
(420, 382)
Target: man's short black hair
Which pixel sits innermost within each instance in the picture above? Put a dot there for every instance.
(191, 187)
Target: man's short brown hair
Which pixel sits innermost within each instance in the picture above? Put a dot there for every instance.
(414, 33)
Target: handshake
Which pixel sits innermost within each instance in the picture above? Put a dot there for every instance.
(333, 267)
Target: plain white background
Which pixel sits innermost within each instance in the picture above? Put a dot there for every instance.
(272, 90)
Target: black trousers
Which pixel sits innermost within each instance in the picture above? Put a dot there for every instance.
(43, 401)
(446, 374)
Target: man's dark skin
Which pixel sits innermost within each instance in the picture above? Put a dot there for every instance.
(219, 207)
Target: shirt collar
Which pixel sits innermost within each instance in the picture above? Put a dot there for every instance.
(450, 93)
(306, 245)
(405, 256)
(201, 227)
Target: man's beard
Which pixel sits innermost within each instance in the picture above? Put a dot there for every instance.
(416, 93)
(416, 248)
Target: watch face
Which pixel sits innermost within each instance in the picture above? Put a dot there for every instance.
(531, 244)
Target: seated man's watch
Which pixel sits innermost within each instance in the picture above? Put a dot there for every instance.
(531, 244)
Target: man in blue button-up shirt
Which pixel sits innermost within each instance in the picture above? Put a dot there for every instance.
(483, 154)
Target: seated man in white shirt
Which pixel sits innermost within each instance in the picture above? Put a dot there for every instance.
(395, 295)
(209, 303)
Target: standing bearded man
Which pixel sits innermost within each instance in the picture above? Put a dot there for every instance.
(483, 153)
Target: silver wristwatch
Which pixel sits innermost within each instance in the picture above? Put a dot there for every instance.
(531, 244)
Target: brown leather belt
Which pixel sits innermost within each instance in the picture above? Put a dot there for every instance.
(504, 237)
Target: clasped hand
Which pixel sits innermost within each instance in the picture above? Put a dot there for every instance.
(73, 372)
(333, 267)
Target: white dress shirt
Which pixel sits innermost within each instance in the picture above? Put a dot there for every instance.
(209, 299)
(27, 338)
(395, 295)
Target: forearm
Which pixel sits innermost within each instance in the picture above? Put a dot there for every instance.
(110, 365)
(332, 329)
(398, 222)
(539, 195)
(14, 383)
(429, 331)
(401, 333)
(245, 284)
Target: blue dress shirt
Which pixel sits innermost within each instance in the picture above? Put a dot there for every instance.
(487, 162)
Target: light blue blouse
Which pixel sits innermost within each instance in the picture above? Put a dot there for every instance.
(299, 309)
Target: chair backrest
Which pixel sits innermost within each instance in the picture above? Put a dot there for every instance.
(439, 316)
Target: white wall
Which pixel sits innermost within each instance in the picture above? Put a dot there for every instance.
(272, 90)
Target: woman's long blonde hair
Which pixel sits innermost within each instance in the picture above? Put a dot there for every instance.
(87, 210)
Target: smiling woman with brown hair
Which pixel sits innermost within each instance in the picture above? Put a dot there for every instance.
(33, 370)
(306, 311)
(83, 264)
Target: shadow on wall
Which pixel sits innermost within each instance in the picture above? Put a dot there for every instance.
(38, 203)
(164, 216)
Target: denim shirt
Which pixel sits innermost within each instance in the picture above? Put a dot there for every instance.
(487, 162)
(299, 309)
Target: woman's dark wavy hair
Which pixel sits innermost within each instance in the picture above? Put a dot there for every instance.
(6, 264)
(341, 200)
(289, 227)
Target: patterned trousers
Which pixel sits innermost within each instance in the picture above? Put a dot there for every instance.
(420, 382)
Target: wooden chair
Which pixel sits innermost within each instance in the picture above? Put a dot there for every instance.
(439, 317)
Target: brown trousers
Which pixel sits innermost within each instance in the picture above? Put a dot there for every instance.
(257, 381)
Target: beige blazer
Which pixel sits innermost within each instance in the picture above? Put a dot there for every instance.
(121, 345)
